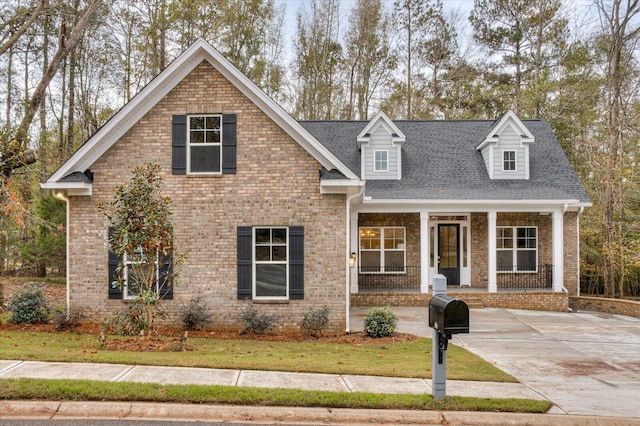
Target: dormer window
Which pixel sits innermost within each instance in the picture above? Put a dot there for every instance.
(509, 161)
(505, 150)
(381, 161)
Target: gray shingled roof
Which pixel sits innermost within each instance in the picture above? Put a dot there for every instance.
(440, 162)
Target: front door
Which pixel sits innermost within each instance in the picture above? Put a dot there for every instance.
(448, 253)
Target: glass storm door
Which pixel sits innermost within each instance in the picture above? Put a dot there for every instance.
(448, 253)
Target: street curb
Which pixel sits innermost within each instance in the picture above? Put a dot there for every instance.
(60, 410)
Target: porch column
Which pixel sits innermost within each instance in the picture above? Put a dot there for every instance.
(354, 249)
(558, 251)
(492, 285)
(425, 255)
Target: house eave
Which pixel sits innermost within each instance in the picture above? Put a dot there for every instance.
(71, 188)
(339, 186)
(476, 205)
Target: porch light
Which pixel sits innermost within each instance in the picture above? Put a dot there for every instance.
(352, 260)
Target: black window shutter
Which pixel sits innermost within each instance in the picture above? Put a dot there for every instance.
(245, 262)
(229, 144)
(114, 261)
(166, 285)
(179, 145)
(296, 263)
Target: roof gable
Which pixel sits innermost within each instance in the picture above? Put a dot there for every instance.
(508, 119)
(167, 80)
(381, 119)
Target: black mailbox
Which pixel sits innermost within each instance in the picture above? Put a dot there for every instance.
(448, 315)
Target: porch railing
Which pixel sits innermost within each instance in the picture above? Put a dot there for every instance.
(408, 281)
(508, 279)
(389, 282)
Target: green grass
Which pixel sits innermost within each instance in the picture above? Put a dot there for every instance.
(407, 359)
(83, 390)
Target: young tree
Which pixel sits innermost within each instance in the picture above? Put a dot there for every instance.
(143, 237)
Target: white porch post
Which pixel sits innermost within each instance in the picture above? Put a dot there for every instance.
(558, 251)
(354, 249)
(425, 255)
(491, 245)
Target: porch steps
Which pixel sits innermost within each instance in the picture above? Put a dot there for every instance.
(472, 302)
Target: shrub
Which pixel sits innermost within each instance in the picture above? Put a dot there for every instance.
(380, 322)
(257, 322)
(315, 321)
(195, 315)
(28, 305)
(129, 322)
(76, 316)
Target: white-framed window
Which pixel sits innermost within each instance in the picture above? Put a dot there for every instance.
(382, 249)
(271, 263)
(136, 271)
(517, 248)
(380, 161)
(204, 144)
(509, 161)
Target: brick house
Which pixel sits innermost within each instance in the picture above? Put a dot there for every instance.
(293, 216)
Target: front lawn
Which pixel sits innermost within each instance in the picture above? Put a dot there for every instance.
(395, 359)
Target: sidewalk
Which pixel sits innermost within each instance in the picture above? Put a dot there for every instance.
(265, 379)
(138, 411)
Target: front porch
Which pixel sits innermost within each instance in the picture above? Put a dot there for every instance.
(504, 253)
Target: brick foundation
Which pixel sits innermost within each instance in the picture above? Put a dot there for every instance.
(601, 304)
(543, 301)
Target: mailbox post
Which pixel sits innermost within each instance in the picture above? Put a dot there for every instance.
(447, 316)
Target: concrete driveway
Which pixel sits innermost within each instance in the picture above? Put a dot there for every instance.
(584, 362)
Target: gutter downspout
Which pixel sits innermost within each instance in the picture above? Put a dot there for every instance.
(348, 253)
(578, 247)
(60, 196)
(564, 210)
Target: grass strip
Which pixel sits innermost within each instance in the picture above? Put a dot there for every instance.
(86, 390)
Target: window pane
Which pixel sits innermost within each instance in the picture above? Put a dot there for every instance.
(526, 260)
(213, 122)
(196, 137)
(394, 261)
(279, 254)
(205, 159)
(370, 261)
(263, 254)
(196, 122)
(263, 236)
(213, 136)
(432, 250)
(271, 280)
(279, 236)
(505, 261)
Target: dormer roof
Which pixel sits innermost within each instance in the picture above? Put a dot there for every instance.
(508, 119)
(381, 119)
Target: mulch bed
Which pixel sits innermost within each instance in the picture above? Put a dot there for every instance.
(170, 338)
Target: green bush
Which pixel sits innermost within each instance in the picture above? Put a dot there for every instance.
(315, 321)
(28, 305)
(380, 322)
(256, 322)
(195, 315)
(129, 322)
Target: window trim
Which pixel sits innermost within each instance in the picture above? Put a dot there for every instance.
(382, 250)
(509, 161)
(514, 250)
(126, 262)
(255, 262)
(386, 161)
(189, 144)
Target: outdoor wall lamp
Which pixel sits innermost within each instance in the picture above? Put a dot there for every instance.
(352, 260)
